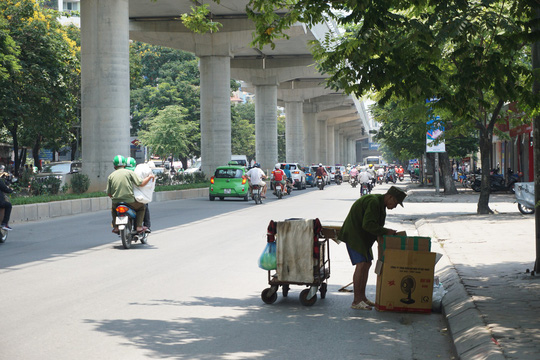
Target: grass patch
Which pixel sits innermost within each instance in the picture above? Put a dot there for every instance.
(24, 200)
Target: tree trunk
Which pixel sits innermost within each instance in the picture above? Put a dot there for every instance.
(16, 162)
(485, 148)
(448, 181)
(184, 160)
(35, 152)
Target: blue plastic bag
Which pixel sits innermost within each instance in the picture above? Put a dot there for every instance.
(267, 261)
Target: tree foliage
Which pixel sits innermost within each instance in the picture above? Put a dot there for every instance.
(471, 55)
(243, 130)
(39, 102)
(170, 132)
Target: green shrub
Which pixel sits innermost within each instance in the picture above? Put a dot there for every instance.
(79, 183)
(49, 185)
(163, 179)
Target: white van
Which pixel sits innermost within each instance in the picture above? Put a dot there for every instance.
(240, 159)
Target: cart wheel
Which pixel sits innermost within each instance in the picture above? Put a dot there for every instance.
(304, 300)
(323, 290)
(285, 290)
(268, 299)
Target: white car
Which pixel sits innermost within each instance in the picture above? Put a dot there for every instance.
(297, 175)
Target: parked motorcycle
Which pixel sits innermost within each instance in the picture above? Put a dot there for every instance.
(496, 183)
(320, 182)
(125, 220)
(525, 197)
(353, 181)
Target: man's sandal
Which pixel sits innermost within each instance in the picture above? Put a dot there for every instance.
(361, 306)
(369, 302)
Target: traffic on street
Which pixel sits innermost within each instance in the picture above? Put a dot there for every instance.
(194, 291)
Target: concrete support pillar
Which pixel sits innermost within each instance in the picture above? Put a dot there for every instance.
(215, 112)
(266, 149)
(310, 133)
(343, 147)
(352, 151)
(294, 132)
(337, 145)
(321, 143)
(104, 87)
(331, 157)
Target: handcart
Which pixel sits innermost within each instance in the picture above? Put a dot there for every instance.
(302, 258)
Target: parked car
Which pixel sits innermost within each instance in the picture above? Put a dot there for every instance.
(229, 181)
(297, 174)
(194, 168)
(62, 170)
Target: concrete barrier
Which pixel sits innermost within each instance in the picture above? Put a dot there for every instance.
(42, 211)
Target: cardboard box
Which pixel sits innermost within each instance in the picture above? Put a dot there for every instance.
(416, 243)
(406, 281)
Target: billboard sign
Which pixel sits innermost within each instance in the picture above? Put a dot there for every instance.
(434, 136)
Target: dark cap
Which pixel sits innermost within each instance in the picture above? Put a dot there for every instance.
(398, 194)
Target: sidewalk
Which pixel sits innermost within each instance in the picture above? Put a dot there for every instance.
(492, 305)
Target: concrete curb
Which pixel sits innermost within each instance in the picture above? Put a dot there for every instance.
(472, 338)
(43, 211)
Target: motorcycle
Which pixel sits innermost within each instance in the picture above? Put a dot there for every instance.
(379, 179)
(364, 189)
(390, 177)
(125, 220)
(525, 197)
(353, 181)
(282, 190)
(497, 183)
(320, 182)
(256, 194)
(401, 177)
(338, 179)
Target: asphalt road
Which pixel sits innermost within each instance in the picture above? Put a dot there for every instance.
(68, 290)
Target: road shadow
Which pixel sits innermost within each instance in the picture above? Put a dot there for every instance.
(253, 330)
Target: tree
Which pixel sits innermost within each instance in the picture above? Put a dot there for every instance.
(39, 102)
(403, 132)
(243, 130)
(163, 77)
(170, 132)
(472, 56)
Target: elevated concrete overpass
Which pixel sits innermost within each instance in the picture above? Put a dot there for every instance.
(285, 75)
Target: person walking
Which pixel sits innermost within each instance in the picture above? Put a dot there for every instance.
(362, 226)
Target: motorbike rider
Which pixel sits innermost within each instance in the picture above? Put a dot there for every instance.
(256, 177)
(279, 178)
(365, 178)
(321, 171)
(338, 174)
(354, 173)
(4, 202)
(371, 172)
(380, 172)
(400, 171)
(120, 189)
(131, 165)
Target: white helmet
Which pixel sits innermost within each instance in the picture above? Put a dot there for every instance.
(277, 166)
(320, 164)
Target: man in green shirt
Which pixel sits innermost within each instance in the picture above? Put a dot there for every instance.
(364, 223)
(120, 189)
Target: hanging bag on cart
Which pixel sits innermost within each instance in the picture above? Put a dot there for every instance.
(267, 261)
